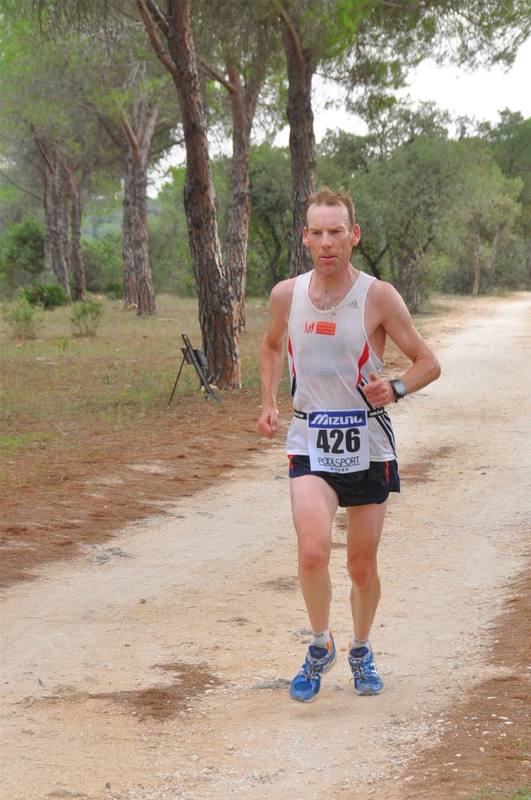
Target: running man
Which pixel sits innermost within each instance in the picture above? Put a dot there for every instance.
(340, 443)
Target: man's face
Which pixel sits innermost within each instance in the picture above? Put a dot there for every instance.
(330, 238)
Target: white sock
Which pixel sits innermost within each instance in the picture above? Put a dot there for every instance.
(355, 643)
(321, 639)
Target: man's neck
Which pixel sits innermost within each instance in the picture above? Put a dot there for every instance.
(327, 291)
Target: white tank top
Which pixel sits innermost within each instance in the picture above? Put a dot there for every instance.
(330, 358)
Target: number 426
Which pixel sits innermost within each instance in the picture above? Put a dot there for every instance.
(332, 440)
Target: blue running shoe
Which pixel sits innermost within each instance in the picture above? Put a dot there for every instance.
(366, 678)
(306, 683)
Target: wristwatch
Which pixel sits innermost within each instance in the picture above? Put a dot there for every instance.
(399, 389)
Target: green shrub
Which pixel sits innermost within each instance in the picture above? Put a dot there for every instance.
(47, 295)
(103, 263)
(86, 317)
(114, 290)
(22, 318)
(22, 253)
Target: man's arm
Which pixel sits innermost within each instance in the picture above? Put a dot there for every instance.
(389, 312)
(272, 355)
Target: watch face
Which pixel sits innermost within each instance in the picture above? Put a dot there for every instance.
(399, 389)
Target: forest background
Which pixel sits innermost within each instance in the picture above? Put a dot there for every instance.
(97, 95)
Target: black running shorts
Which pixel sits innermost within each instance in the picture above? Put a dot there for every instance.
(371, 485)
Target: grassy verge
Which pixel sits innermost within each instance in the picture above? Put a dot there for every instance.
(122, 378)
(519, 794)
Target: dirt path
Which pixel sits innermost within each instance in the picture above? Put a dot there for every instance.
(156, 666)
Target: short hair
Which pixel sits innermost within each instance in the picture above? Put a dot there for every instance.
(326, 197)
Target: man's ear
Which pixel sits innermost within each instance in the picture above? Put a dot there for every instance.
(355, 234)
(305, 237)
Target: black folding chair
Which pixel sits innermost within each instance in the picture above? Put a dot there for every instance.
(197, 359)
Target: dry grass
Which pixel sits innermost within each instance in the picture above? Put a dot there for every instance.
(119, 378)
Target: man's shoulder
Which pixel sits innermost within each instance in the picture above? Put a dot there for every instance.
(284, 286)
(384, 304)
(281, 298)
(283, 290)
(383, 292)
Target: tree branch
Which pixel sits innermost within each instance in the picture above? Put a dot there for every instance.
(216, 74)
(292, 33)
(131, 137)
(158, 16)
(21, 188)
(107, 128)
(42, 148)
(373, 263)
(149, 132)
(173, 143)
(154, 37)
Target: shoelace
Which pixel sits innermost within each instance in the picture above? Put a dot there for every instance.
(312, 666)
(363, 670)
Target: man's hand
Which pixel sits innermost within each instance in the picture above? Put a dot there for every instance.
(268, 422)
(378, 392)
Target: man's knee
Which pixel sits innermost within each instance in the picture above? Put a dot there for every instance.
(363, 572)
(313, 556)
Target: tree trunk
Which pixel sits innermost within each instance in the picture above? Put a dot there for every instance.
(373, 262)
(56, 217)
(138, 284)
(404, 279)
(220, 337)
(128, 253)
(275, 258)
(393, 269)
(76, 205)
(58, 227)
(243, 102)
(495, 247)
(411, 267)
(48, 254)
(137, 278)
(301, 137)
(476, 255)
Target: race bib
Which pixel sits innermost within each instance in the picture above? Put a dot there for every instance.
(338, 441)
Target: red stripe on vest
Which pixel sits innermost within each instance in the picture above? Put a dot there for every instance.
(363, 360)
(290, 351)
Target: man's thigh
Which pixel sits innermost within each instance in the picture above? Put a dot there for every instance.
(313, 506)
(365, 524)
